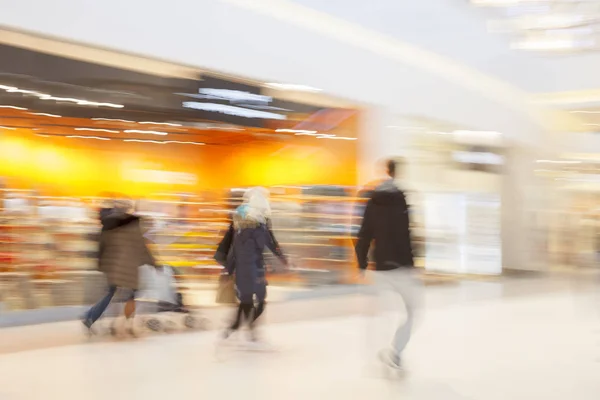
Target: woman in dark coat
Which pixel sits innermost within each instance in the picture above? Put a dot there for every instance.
(241, 252)
(122, 250)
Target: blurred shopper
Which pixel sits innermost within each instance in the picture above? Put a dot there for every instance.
(386, 222)
(241, 252)
(122, 250)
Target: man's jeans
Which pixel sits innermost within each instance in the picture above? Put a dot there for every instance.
(403, 283)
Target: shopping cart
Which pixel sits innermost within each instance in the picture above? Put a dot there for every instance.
(159, 304)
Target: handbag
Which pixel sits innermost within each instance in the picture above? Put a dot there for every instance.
(226, 293)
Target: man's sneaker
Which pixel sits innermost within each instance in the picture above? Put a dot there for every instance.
(226, 337)
(227, 334)
(260, 345)
(390, 358)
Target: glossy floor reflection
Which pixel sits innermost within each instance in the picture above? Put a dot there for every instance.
(542, 346)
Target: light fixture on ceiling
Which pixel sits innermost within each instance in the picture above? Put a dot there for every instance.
(232, 110)
(342, 138)
(143, 141)
(296, 131)
(46, 115)
(14, 107)
(81, 102)
(543, 44)
(113, 120)
(45, 96)
(473, 157)
(163, 142)
(308, 133)
(334, 137)
(97, 130)
(558, 162)
(545, 26)
(159, 133)
(293, 87)
(87, 137)
(183, 142)
(158, 123)
(553, 21)
(584, 112)
(503, 3)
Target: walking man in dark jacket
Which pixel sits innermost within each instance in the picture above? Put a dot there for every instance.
(386, 222)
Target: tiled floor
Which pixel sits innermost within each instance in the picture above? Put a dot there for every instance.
(541, 346)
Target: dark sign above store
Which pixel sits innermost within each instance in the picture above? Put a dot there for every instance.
(60, 85)
(231, 102)
(66, 79)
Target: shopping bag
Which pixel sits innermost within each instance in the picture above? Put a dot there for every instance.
(226, 290)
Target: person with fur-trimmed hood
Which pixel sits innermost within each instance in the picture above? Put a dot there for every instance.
(122, 250)
(241, 252)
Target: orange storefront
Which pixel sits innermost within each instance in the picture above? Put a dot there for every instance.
(75, 166)
(80, 128)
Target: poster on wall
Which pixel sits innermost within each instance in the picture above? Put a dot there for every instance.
(482, 240)
(463, 233)
(444, 225)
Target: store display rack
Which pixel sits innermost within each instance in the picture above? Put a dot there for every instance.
(48, 246)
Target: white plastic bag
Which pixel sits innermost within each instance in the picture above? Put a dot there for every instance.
(157, 284)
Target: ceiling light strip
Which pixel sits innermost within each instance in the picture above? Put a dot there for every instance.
(45, 96)
(46, 115)
(14, 107)
(159, 133)
(104, 138)
(113, 120)
(158, 123)
(97, 130)
(163, 142)
(86, 137)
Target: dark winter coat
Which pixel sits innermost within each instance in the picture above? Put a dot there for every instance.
(241, 253)
(386, 222)
(122, 249)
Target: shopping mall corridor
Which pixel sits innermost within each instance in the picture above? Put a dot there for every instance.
(522, 339)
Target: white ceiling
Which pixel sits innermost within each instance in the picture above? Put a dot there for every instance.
(458, 30)
(424, 57)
